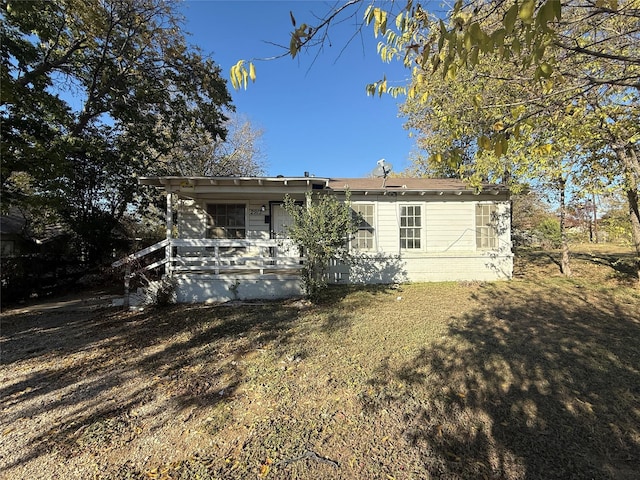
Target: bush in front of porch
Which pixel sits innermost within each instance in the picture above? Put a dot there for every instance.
(322, 228)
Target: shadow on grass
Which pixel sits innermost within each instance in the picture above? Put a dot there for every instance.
(339, 302)
(621, 266)
(87, 370)
(536, 384)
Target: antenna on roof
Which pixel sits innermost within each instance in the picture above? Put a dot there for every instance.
(382, 170)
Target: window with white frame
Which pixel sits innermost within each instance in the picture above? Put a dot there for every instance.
(486, 233)
(410, 226)
(226, 220)
(365, 236)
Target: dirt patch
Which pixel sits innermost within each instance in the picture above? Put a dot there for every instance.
(534, 378)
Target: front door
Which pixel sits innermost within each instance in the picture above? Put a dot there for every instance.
(280, 220)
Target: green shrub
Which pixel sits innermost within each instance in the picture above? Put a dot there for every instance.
(548, 230)
(323, 228)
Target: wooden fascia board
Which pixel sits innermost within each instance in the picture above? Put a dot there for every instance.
(268, 185)
(240, 191)
(240, 183)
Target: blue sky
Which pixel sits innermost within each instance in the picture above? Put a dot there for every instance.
(316, 116)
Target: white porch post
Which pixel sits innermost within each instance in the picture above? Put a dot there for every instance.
(169, 222)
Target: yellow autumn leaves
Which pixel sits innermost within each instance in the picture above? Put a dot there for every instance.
(239, 74)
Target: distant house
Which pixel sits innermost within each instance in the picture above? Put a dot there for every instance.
(13, 237)
(16, 239)
(33, 264)
(227, 236)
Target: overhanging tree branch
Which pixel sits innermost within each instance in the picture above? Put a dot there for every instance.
(47, 66)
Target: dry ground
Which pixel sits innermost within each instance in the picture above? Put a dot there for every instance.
(537, 378)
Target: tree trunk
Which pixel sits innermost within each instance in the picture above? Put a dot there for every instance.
(632, 173)
(595, 217)
(565, 268)
(634, 217)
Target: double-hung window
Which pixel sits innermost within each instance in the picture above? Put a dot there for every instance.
(226, 220)
(365, 236)
(486, 234)
(410, 227)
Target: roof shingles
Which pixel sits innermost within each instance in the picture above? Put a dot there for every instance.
(393, 183)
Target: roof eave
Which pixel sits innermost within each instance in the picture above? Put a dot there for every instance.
(423, 192)
(171, 181)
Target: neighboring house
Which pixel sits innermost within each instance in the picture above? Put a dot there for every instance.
(226, 236)
(17, 239)
(13, 240)
(30, 264)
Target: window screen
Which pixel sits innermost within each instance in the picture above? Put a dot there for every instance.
(226, 220)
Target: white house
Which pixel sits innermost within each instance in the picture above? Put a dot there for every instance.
(226, 236)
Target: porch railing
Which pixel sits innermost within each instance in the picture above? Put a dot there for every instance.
(213, 256)
(218, 256)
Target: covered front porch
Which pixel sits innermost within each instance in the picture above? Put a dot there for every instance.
(225, 238)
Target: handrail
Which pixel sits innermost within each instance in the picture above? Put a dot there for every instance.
(177, 262)
(157, 264)
(222, 242)
(141, 253)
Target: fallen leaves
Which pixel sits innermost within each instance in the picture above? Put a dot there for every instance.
(265, 468)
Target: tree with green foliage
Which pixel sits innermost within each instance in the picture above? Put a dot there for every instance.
(549, 35)
(456, 117)
(93, 94)
(322, 227)
(614, 221)
(533, 221)
(528, 209)
(562, 81)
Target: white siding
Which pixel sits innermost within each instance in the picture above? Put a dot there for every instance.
(448, 252)
(450, 226)
(257, 229)
(388, 226)
(192, 219)
(504, 226)
(446, 226)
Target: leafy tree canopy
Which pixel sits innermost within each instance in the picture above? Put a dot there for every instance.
(93, 93)
(550, 35)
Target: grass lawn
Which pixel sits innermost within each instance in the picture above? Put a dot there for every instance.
(535, 378)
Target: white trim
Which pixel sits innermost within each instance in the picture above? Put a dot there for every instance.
(423, 227)
(495, 235)
(376, 242)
